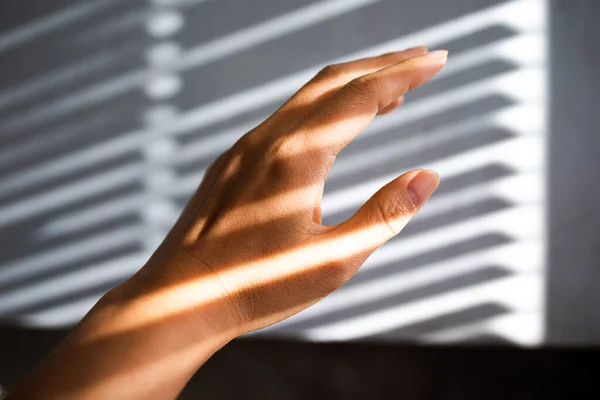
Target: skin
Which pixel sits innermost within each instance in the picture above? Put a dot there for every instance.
(249, 249)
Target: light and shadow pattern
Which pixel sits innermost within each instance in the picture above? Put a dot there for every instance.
(112, 111)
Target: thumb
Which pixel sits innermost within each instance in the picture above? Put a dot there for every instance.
(388, 211)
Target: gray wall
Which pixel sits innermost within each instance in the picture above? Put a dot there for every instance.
(76, 81)
(574, 254)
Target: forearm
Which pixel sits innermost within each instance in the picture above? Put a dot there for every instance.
(125, 350)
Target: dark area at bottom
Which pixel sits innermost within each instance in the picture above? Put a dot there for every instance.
(267, 369)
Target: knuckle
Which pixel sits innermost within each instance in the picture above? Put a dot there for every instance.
(248, 143)
(279, 156)
(281, 148)
(390, 210)
(330, 71)
(362, 85)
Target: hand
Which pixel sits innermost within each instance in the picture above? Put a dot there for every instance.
(250, 249)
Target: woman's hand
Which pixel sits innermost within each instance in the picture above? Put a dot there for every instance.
(249, 249)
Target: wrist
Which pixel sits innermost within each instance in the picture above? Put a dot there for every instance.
(138, 305)
(123, 342)
(129, 342)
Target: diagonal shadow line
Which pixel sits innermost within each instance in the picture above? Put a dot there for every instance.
(485, 274)
(229, 86)
(104, 226)
(489, 103)
(111, 21)
(132, 79)
(78, 176)
(488, 69)
(33, 82)
(248, 229)
(483, 106)
(54, 143)
(50, 22)
(464, 213)
(41, 85)
(361, 143)
(34, 222)
(81, 177)
(24, 91)
(64, 299)
(280, 189)
(122, 114)
(96, 212)
(131, 20)
(22, 238)
(135, 102)
(37, 260)
(250, 118)
(479, 37)
(79, 135)
(467, 315)
(460, 214)
(38, 263)
(484, 137)
(68, 267)
(244, 231)
(82, 174)
(56, 260)
(487, 173)
(387, 167)
(481, 242)
(394, 267)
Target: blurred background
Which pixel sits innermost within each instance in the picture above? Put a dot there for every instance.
(110, 111)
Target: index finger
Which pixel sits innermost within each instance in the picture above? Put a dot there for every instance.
(333, 77)
(354, 106)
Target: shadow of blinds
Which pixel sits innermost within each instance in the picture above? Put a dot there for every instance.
(106, 141)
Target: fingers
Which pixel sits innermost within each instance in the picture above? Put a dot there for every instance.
(388, 211)
(333, 77)
(340, 74)
(353, 107)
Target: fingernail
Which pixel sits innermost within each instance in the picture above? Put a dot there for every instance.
(437, 57)
(421, 186)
